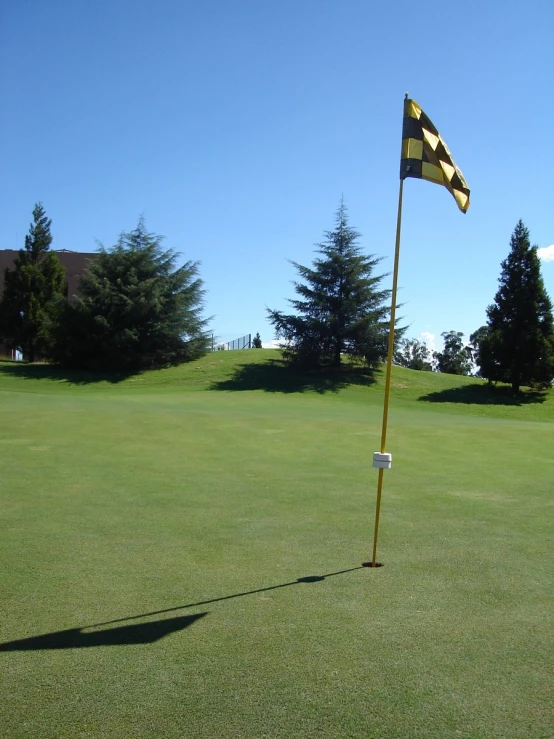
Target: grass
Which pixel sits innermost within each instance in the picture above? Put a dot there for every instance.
(262, 371)
(217, 514)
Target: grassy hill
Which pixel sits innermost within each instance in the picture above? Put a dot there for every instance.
(262, 370)
(181, 555)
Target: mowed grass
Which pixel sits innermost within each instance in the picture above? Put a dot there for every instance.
(217, 514)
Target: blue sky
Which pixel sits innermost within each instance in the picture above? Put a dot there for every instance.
(235, 126)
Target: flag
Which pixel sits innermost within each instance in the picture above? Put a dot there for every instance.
(426, 156)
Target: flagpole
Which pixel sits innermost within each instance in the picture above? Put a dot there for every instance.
(390, 352)
(417, 131)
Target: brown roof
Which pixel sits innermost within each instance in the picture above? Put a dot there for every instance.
(74, 263)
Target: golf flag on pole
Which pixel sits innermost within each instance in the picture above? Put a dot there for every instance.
(426, 156)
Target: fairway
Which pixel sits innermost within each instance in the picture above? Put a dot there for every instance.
(181, 556)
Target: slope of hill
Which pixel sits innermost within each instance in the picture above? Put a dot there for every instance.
(261, 370)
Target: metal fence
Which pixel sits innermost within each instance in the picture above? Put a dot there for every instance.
(243, 342)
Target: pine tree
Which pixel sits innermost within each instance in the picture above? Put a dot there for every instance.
(341, 307)
(518, 346)
(257, 341)
(33, 292)
(134, 310)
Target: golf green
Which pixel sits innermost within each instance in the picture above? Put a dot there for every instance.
(181, 556)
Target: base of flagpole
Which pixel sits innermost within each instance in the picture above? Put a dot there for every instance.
(370, 564)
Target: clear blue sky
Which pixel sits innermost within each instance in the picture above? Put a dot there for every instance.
(234, 127)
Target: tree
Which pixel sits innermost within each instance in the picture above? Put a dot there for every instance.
(30, 304)
(519, 346)
(455, 359)
(479, 347)
(134, 310)
(257, 341)
(341, 307)
(413, 354)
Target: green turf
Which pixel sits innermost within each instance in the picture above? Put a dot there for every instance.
(205, 492)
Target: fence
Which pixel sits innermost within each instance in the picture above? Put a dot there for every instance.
(243, 342)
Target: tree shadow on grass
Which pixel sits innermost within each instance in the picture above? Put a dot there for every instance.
(57, 374)
(485, 395)
(147, 633)
(276, 376)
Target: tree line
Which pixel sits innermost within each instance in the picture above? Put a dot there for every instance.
(455, 359)
(135, 310)
(341, 311)
(516, 345)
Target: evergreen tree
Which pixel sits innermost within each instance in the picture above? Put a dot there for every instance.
(455, 359)
(519, 345)
(413, 354)
(341, 307)
(257, 341)
(33, 291)
(134, 310)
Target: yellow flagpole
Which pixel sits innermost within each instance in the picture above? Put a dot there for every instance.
(373, 562)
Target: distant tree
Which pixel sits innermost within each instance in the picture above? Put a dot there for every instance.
(413, 354)
(456, 358)
(341, 307)
(134, 309)
(257, 341)
(479, 348)
(518, 347)
(30, 304)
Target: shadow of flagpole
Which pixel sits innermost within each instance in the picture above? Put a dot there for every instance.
(147, 633)
(300, 580)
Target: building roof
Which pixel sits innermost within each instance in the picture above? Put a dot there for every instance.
(74, 263)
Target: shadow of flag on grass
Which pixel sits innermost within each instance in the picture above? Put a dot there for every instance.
(78, 638)
(145, 633)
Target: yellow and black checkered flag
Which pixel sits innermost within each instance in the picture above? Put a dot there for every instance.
(426, 156)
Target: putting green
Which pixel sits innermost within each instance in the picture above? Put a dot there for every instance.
(182, 556)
